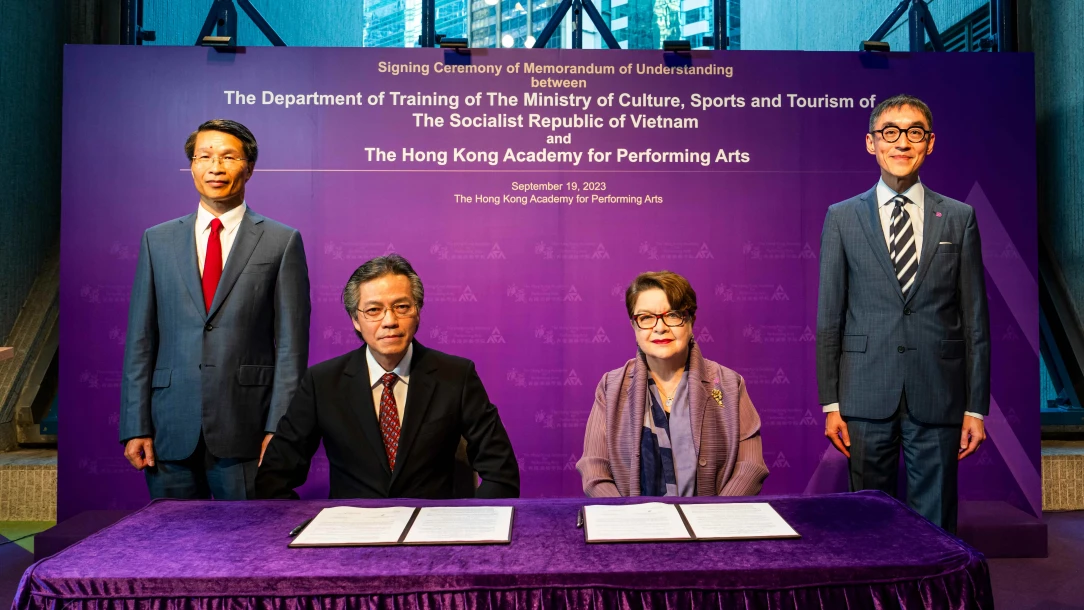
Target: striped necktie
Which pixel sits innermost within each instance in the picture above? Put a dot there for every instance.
(903, 249)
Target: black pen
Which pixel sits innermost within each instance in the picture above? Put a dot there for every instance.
(297, 530)
(579, 519)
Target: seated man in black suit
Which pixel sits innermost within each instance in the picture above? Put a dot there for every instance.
(391, 413)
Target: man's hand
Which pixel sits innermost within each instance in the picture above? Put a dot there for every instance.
(835, 429)
(140, 452)
(263, 448)
(972, 435)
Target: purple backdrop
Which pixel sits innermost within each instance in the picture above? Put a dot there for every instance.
(534, 293)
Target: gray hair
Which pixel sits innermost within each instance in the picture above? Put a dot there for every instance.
(899, 101)
(391, 264)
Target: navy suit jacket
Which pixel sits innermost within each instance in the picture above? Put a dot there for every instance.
(445, 402)
(230, 372)
(873, 344)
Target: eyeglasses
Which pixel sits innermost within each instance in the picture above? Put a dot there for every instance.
(208, 161)
(377, 312)
(914, 134)
(647, 321)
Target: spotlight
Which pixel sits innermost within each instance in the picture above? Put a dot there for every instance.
(529, 41)
(677, 45)
(452, 43)
(215, 41)
(874, 45)
(507, 41)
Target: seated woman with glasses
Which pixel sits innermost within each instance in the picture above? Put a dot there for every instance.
(670, 422)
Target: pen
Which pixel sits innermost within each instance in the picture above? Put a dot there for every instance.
(579, 519)
(297, 530)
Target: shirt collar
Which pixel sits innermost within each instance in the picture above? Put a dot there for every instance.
(401, 370)
(230, 219)
(916, 194)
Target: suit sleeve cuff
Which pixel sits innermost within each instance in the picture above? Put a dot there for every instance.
(975, 415)
(830, 408)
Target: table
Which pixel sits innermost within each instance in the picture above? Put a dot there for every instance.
(861, 550)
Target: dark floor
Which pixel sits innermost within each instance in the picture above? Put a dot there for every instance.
(14, 560)
(1054, 583)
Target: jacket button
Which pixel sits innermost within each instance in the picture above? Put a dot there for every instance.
(906, 312)
(703, 462)
(208, 328)
(901, 349)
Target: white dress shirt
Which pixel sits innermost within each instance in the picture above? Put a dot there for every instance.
(399, 390)
(916, 206)
(230, 221)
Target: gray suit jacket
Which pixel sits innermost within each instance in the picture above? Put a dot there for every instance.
(230, 372)
(873, 344)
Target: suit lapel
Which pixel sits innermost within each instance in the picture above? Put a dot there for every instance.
(248, 235)
(870, 221)
(699, 392)
(187, 262)
(932, 227)
(419, 397)
(360, 404)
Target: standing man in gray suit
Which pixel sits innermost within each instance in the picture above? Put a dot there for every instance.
(218, 331)
(903, 334)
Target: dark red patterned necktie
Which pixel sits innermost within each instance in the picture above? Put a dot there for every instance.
(389, 418)
(212, 264)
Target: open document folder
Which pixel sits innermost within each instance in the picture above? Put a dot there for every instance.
(392, 525)
(658, 522)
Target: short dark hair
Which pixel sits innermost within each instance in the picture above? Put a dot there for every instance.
(235, 129)
(390, 264)
(678, 291)
(899, 101)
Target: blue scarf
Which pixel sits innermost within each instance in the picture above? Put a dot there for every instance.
(667, 457)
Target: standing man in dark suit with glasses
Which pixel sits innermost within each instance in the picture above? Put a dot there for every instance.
(218, 331)
(903, 334)
(392, 413)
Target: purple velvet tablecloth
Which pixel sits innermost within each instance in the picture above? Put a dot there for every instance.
(862, 550)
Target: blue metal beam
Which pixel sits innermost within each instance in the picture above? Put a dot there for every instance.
(223, 16)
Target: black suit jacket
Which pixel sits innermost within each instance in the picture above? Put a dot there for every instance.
(445, 401)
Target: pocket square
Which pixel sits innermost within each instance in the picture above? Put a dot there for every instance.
(945, 242)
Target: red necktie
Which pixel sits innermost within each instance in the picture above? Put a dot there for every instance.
(389, 418)
(212, 264)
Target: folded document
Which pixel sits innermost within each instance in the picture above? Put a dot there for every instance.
(392, 525)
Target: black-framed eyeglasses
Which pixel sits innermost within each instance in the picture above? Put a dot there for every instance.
(891, 134)
(647, 321)
(374, 313)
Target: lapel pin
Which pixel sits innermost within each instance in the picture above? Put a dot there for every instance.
(717, 394)
(938, 214)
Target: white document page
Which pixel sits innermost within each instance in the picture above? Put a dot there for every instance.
(648, 521)
(348, 525)
(461, 524)
(738, 520)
